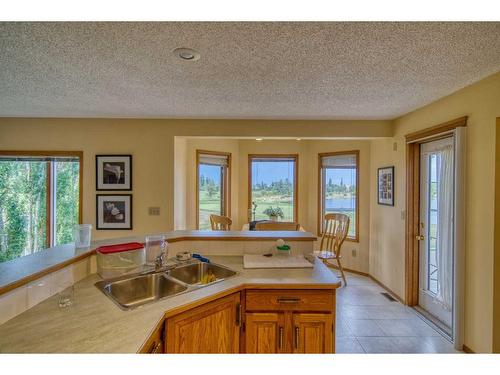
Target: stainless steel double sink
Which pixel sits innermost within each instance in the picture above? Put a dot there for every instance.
(132, 291)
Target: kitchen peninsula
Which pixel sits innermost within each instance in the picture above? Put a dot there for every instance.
(256, 311)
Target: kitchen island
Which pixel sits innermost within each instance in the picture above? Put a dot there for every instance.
(94, 324)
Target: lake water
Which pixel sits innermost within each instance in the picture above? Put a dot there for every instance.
(339, 204)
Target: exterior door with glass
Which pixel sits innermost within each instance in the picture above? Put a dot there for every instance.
(436, 249)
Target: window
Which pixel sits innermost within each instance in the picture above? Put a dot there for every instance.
(39, 201)
(213, 191)
(339, 188)
(272, 183)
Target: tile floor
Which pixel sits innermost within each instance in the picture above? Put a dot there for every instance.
(367, 322)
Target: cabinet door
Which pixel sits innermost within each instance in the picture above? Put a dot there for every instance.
(312, 333)
(211, 328)
(265, 333)
(154, 344)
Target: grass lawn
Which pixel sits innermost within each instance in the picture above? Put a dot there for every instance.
(211, 205)
(208, 206)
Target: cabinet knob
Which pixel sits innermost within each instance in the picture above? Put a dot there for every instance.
(280, 340)
(296, 337)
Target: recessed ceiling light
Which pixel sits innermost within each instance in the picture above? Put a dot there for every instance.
(187, 54)
(258, 139)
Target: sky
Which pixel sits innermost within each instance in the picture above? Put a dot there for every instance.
(267, 172)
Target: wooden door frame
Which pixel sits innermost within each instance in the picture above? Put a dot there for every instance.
(413, 142)
(226, 188)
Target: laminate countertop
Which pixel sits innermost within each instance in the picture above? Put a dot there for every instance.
(94, 324)
(22, 270)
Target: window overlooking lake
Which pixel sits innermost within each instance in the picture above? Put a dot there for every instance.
(39, 202)
(213, 186)
(273, 183)
(339, 187)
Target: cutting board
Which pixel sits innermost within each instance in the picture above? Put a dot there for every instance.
(276, 261)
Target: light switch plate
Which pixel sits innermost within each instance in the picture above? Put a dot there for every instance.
(154, 211)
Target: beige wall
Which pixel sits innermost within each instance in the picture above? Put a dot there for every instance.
(481, 102)
(496, 267)
(308, 183)
(180, 183)
(151, 142)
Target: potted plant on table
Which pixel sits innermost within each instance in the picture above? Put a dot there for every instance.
(274, 213)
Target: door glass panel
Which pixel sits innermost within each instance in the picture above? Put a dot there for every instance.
(210, 194)
(432, 234)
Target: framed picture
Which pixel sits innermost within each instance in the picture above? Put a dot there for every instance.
(113, 172)
(114, 211)
(386, 186)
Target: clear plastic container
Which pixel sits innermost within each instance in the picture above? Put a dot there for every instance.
(117, 260)
(82, 235)
(155, 245)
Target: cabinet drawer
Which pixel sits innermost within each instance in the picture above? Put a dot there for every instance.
(289, 300)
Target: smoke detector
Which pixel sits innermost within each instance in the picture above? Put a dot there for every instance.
(187, 54)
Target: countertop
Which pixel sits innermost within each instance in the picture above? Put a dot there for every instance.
(94, 324)
(20, 271)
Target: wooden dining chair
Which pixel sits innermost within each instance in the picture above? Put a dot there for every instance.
(220, 222)
(334, 234)
(277, 225)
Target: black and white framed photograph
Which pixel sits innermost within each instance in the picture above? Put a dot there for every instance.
(114, 211)
(386, 186)
(113, 172)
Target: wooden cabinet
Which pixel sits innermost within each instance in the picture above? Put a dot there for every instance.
(210, 328)
(258, 321)
(265, 333)
(312, 333)
(296, 321)
(154, 344)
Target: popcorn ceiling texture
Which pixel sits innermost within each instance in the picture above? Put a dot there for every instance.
(255, 70)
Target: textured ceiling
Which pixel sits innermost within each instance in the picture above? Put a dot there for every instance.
(247, 70)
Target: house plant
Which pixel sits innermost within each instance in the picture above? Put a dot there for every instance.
(274, 213)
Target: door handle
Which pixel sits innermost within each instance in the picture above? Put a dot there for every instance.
(238, 315)
(280, 339)
(296, 337)
(288, 300)
(419, 237)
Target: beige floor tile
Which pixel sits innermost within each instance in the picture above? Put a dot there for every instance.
(368, 319)
(348, 345)
(364, 327)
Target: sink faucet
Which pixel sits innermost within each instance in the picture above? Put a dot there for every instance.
(159, 260)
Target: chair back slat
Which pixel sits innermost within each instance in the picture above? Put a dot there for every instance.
(220, 222)
(335, 232)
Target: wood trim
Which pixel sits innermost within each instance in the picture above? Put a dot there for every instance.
(320, 191)
(226, 194)
(467, 350)
(295, 182)
(48, 153)
(395, 295)
(331, 265)
(412, 223)
(48, 204)
(414, 140)
(437, 129)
